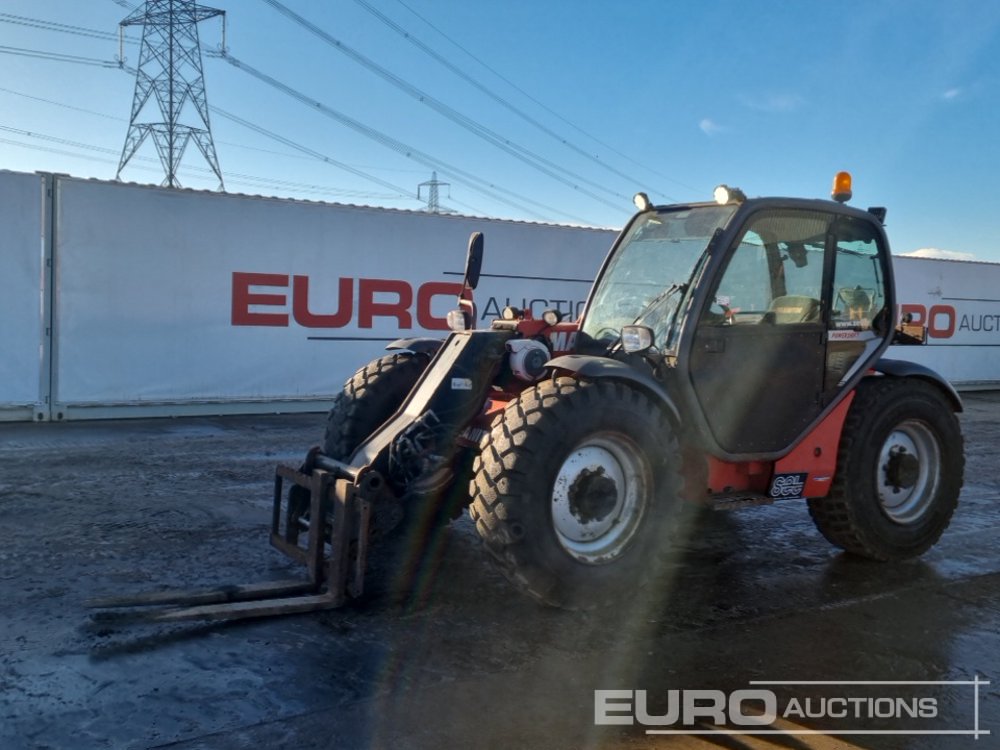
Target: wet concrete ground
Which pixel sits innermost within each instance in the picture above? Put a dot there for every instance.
(758, 595)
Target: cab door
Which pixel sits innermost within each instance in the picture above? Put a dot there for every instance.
(758, 365)
(860, 304)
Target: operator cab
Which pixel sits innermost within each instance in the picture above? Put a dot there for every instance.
(761, 313)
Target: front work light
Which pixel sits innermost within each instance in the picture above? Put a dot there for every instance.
(637, 338)
(841, 187)
(642, 202)
(724, 195)
(551, 317)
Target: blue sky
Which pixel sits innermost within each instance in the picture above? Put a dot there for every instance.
(668, 97)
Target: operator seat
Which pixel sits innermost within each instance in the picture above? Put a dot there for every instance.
(857, 302)
(792, 308)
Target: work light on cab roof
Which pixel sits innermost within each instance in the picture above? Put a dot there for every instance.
(642, 202)
(724, 195)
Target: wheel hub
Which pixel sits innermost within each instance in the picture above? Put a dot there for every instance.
(593, 495)
(599, 496)
(908, 472)
(903, 469)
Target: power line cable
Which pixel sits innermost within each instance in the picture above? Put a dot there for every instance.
(310, 152)
(544, 106)
(62, 104)
(283, 154)
(57, 139)
(507, 104)
(491, 191)
(460, 175)
(525, 155)
(240, 177)
(398, 190)
(49, 149)
(306, 150)
(58, 57)
(63, 28)
(38, 23)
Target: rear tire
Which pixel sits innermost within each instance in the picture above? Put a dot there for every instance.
(899, 471)
(576, 492)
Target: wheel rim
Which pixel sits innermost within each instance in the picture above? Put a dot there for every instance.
(908, 473)
(599, 497)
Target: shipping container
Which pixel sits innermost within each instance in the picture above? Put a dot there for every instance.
(128, 300)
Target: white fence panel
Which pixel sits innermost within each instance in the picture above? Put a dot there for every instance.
(23, 302)
(959, 303)
(171, 300)
(174, 302)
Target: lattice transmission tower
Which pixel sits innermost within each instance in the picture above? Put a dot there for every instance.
(170, 70)
(433, 195)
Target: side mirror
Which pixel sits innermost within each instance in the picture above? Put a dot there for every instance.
(906, 332)
(473, 261)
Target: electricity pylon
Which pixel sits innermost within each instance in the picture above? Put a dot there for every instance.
(170, 69)
(432, 185)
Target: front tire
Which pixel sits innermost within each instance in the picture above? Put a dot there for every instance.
(576, 491)
(899, 471)
(406, 526)
(369, 398)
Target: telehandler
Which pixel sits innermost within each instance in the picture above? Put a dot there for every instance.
(730, 354)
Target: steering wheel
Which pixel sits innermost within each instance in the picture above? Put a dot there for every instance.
(724, 318)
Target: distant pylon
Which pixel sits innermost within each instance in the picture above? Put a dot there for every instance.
(170, 68)
(432, 185)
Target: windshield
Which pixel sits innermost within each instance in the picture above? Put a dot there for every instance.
(659, 251)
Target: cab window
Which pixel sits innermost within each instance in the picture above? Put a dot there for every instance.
(858, 283)
(859, 314)
(775, 274)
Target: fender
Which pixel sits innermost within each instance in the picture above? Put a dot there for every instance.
(595, 368)
(902, 369)
(417, 345)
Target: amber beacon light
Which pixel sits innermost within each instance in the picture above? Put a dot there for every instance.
(842, 187)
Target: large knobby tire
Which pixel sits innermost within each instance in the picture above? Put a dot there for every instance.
(576, 491)
(404, 529)
(899, 471)
(369, 398)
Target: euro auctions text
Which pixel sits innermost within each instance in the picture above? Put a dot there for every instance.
(814, 707)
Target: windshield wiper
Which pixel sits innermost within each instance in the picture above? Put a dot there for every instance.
(655, 302)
